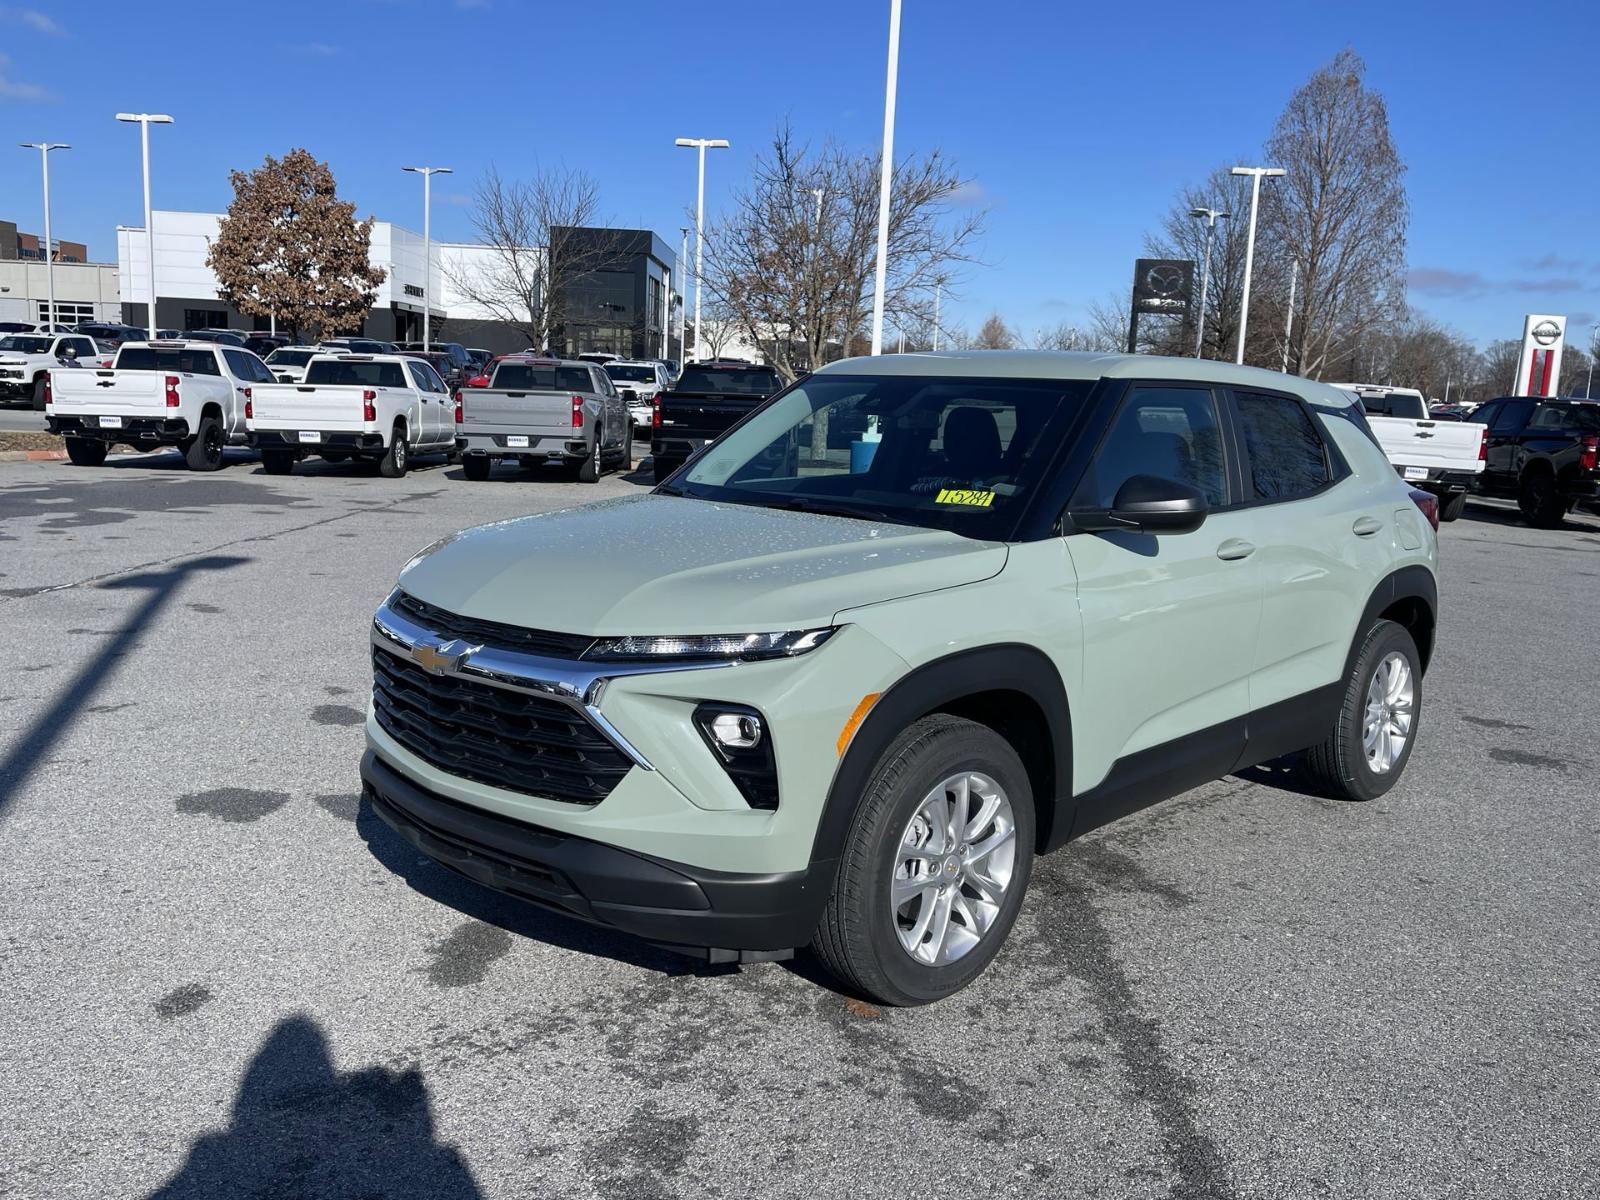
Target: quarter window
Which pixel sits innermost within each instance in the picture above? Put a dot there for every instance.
(1169, 432)
(1287, 454)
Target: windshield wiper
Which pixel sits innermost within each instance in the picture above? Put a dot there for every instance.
(860, 513)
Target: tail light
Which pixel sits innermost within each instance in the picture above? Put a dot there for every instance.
(49, 395)
(1429, 504)
(458, 408)
(368, 411)
(577, 412)
(1483, 446)
(249, 406)
(655, 412)
(1588, 457)
(172, 391)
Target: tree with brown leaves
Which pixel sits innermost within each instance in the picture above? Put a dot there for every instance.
(290, 248)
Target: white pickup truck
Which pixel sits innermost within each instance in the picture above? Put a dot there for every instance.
(26, 360)
(1441, 457)
(191, 395)
(384, 408)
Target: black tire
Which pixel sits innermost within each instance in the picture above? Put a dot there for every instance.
(203, 452)
(476, 467)
(626, 460)
(1451, 508)
(1340, 763)
(396, 459)
(38, 394)
(1541, 505)
(661, 468)
(592, 468)
(87, 452)
(277, 461)
(857, 939)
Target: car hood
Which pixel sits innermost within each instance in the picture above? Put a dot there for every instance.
(655, 564)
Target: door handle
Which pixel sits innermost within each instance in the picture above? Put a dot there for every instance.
(1366, 526)
(1234, 549)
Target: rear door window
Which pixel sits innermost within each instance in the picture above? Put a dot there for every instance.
(1286, 453)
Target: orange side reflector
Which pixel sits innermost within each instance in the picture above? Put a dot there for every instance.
(854, 723)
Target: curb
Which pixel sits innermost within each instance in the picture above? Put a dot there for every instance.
(10, 456)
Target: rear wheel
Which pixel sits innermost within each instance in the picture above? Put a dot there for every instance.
(87, 452)
(1539, 501)
(661, 468)
(627, 449)
(934, 867)
(1370, 743)
(1453, 507)
(396, 459)
(277, 461)
(591, 469)
(476, 467)
(203, 452)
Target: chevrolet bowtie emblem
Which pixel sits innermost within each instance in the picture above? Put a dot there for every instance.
(438, 657)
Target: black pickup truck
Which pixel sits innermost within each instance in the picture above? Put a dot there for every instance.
(706, 400)
(1543, 453)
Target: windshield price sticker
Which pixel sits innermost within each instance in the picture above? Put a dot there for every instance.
(967, 497)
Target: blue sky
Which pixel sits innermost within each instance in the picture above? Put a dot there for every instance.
(1077, 122)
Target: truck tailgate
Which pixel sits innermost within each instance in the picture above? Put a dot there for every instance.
(703, 416)
(336, 408)
(1436, 445)
(492, 410)
(124, 393)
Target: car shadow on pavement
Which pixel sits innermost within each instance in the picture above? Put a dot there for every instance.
(300, 1127)
(172, 460)
(33, 745)
(520, 917)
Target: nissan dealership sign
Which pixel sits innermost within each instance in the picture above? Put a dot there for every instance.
(1539, 364)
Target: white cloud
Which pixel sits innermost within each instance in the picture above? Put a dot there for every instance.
(317, 49)
(33, 19)
(16, 89)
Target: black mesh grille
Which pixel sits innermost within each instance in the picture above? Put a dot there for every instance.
(502, 738)
(491, 633)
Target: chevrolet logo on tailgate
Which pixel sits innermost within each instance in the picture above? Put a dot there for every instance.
(437, 658)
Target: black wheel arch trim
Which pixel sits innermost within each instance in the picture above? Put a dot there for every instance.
(1010, 667)
(1415, 582)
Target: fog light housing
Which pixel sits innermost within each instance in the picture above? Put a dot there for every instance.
(737, 734)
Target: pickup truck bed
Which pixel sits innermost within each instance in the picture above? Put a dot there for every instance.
(543, 412)
(1442, 457)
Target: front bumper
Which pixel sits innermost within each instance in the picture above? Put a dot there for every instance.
(715, 915)
(137, 430)
(371, 443)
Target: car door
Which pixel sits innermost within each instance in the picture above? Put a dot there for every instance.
(427, 401)
(238, 374)
(1325, 537)
(1170, 620)
(609, 398)
(1503, 444)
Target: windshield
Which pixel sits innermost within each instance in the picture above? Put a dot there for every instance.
(750, 381)
(26, 345)
(626, 374)
(354, 372)
(957, 454)
(146, 358)
(289, 358)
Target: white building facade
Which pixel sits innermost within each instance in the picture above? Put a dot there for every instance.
(84, 292)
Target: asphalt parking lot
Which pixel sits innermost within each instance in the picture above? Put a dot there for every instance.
(221, 976)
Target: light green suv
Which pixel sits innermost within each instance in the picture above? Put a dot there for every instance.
(912, 622)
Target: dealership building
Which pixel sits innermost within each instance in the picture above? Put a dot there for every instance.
(624, 309)
(85, 291)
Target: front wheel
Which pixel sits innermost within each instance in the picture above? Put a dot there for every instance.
(38, 394)
(935, 865)
(1452, 508)
(396, 459)
(86, 452)
(1370, 743)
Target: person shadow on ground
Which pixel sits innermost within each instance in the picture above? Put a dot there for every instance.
(300, 1128)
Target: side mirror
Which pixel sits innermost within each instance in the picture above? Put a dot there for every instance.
(69, 353)
(1147, 504)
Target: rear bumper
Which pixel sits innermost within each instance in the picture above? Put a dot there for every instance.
(714, 915)
(496, 445)
(290, 438)
(676, 447)
(137, 430)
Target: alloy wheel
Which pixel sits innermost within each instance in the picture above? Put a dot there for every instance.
(1391, 700)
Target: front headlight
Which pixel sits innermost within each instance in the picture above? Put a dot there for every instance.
(746, 647)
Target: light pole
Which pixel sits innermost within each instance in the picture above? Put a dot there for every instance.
(144, 121)
(1288, 325)
(1594, 346)
(938, 289)
(701, 144)
(427, 174)
(886, 176)
(1212, 216)
(683, 301)
(1255, 174)
(44, 149)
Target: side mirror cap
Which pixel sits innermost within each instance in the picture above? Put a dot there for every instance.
(1147, 504)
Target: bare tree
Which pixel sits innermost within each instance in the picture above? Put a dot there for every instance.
(796, 272)
(1184, 236)
(1339, 212)
(994, 334)
(537, 249)
(718, 330)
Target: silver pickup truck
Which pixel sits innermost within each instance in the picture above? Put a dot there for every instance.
(539, 411)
